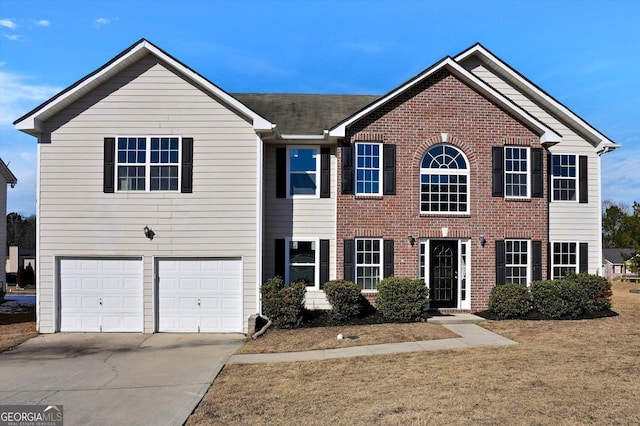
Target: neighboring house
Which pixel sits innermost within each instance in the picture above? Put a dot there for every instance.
(467, 175)
(19, 259)
(615, 262)
(7, 178)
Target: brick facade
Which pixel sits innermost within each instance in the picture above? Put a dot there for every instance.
(442, 109)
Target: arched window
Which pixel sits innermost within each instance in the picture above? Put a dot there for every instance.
(444, 181)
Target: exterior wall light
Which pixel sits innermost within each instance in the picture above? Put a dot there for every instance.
(411, 240)
(148, 232)
(482, 240)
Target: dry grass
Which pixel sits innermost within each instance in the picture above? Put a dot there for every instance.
(11, 335)
(561, 373)
(357, 335)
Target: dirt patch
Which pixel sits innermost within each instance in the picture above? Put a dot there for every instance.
(12, 335)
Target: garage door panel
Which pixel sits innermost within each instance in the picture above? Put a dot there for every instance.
(198, 298)
(101, 295)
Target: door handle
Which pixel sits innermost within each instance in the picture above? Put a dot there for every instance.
(100, 301)
(198, 302)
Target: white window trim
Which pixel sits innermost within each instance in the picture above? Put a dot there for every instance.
(380, 170)
(316, 277)
(519, 265)
(379, 265)
(147, 164)
(317, 171)
(527, 173)
(575, 179)
(459, 172)
(554, 265)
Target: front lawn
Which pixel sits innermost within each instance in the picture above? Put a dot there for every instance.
(561, 373)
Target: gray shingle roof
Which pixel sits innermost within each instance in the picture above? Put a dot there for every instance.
(617, 255)
(304, 114)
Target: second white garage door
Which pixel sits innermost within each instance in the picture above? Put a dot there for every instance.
(200, 296)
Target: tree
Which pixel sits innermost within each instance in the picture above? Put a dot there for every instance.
(613, 221)
(21, 231)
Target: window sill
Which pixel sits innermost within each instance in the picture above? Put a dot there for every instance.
(446, 214)
(517, 200)
(368, 197)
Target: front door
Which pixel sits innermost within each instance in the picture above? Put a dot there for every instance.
(443, 289)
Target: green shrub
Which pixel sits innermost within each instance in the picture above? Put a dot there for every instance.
(598, 290)
(559, 299)
(345, 299)
(283, 305)
(510, 301)
(402, 299)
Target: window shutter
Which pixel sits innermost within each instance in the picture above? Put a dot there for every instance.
(347, 170)
(389, 169)
(549, 261)
(497, 160)
(279, 255)
(536, 248)
(325, 172)
(349, 267)
(500, 262)
(537, 181)
(186, 185)
(388, 258)
(582, 179)
(584, 257)
(549, 180)
(324, 262)
(109, 177)
(281, 172)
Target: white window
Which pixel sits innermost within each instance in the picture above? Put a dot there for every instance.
(444, 178)
(368, 168)
(564, 177)
(368, 262)
(148, 163)
(517, 261)
(516, 166)
(564, 259)
(303, 259)
(303, 164)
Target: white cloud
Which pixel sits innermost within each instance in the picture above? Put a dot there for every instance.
(18, 97)
(43, 23)
(8, 23)
(12, 37)
(102, 21)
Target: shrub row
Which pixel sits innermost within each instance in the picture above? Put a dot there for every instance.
(283, 305)
(569, 298)
(402, 299)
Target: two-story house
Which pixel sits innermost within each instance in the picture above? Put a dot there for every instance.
(164, 201)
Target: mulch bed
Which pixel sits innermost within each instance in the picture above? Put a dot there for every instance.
(537, 316)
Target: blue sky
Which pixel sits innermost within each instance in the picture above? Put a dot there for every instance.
(586, 54)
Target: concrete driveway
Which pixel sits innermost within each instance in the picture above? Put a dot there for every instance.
(114, 378)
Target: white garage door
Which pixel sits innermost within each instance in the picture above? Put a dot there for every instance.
(101, 295)
(200, 295)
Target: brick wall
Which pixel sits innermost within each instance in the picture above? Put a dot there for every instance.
(415, 121)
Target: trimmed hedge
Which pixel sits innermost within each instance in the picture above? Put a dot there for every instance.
(559, 299)
(402, 299)
(510, 301)
(598, 291)
(283, 305)
(345, 299)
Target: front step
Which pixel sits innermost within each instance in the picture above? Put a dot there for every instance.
(455, 319)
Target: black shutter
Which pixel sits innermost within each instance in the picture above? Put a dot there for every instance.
(549, 261)
(549, 177)
(324, 262)
(108, 176)
(389, 169)
(186, 185)
(281, 172)
(537, 180)
(500, 262)
(582, 179)
(536, 248)
(325, 172)
(584, 257)
(349, 266)
(279, 255)
(347, 170)
(497, 168)
(388, 258)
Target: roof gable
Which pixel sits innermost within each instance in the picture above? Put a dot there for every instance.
(617, 255)
(7, 175)
(536, 94)
(546, 134)
(32, 122)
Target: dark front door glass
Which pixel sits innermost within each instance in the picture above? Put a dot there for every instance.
(444, 277)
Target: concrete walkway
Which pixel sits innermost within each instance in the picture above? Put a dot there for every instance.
(464, 325)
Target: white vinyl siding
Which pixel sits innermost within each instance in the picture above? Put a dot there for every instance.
(217, 220)
(298, 218)
(563, 225)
